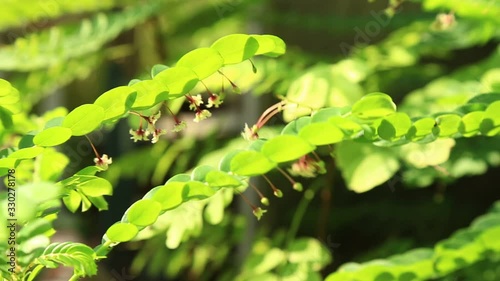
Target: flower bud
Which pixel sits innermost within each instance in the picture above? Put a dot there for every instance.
(264, 201)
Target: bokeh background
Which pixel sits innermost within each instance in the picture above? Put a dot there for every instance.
(413, 55)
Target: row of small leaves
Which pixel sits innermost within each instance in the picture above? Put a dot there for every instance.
(114, 104)
(465, 247)
(371, 119)
(76, 255)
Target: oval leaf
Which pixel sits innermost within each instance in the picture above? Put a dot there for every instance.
(373, 106)
(286, 148)
(203, 62)
(236, 48)
(116, 102)
(52, 136)
(84, 119)
(121, 232)
(144, 212)
(251, 163)
(321, 133)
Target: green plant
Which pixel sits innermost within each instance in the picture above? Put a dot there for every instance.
(366, 135)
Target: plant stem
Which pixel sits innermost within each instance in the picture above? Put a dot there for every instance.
(301, 210)
(103, 249)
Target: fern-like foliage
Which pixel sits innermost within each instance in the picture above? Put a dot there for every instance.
(61, 43)
(18, 13)
(76, 255)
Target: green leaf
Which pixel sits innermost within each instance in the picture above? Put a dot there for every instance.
(76, 255)
(320, 87)
(144, 212)
(429, 154)
(251, 163)
(225, 162)
(310, 251)
(394, 126)
(122, 232)
(116, 102)
(286, 148)
(9, 98)
(84, 119)
(177, 80)
(203, 62)
(196, 190)
(448, 124)
(52, 136)
(219, 179)
(27, 153)
(421, 128)
(374, 106)
(348, 127)
(471, 123)
(214, 212)
(265, 261)
(325, 114)
(236, 48)
(96, 186)
(149, 93)
(278, 47)
(156, 69)
(321, 133)
(6, 118)
(72, 200)
(170, 195)
(7, 163)
(99, 202)
(365, 166)
(490, 125)
(296, 125)
(199, 173)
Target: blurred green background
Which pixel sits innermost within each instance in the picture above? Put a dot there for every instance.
(404, 55)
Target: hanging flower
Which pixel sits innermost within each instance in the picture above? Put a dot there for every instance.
(179, 126)
(250, 134)
(307, 167)
(258, 212)
(214, 100)
(156, 135)
(194, 102)
(153, 118)
(139, 134)
(103, 162)
(202, 115)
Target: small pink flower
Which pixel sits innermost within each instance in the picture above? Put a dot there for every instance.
(103, 162)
